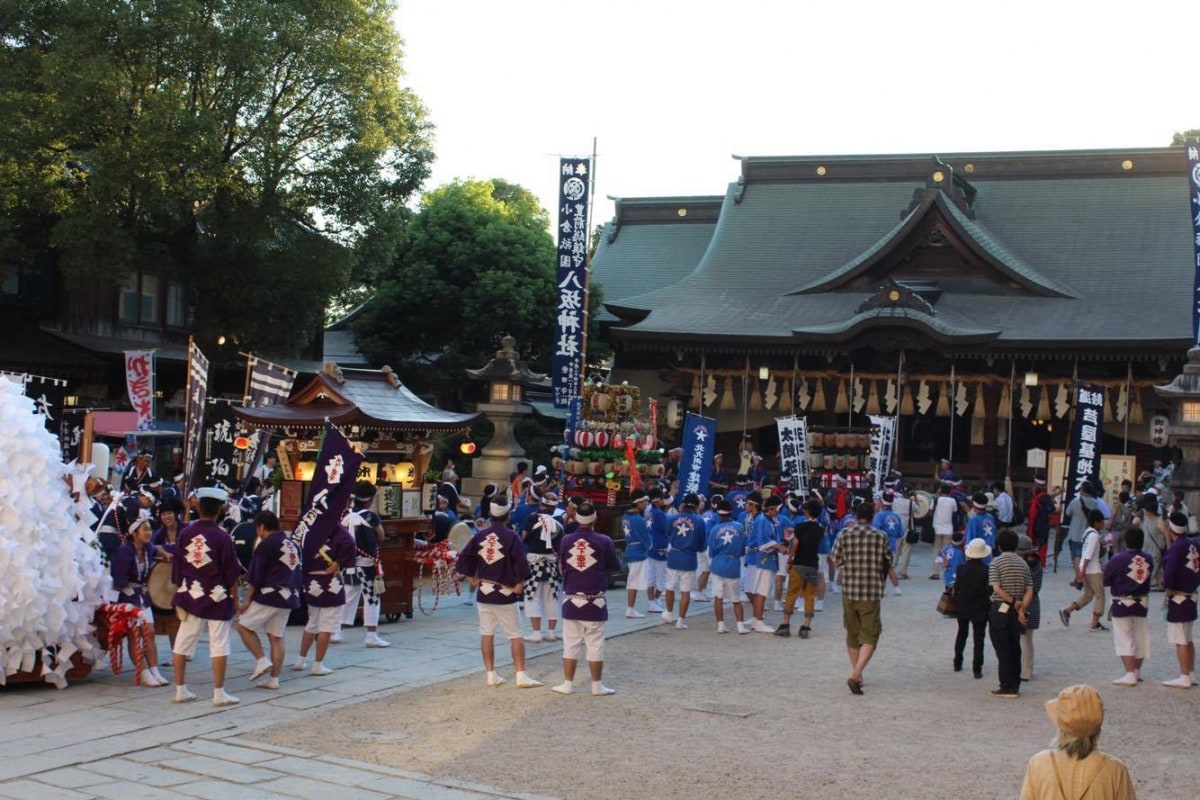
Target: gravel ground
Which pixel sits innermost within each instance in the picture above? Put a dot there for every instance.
(702, 715)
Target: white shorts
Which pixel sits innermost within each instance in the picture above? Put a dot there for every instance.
(578, 634)
(1179, 632)
(262, 618)
(189, 635)
(146, 616)
(656, 574)
(493, 615)
(1131, 636)
(638, 573)
(681, 580)
(703, 562)
(782, 570)
(324, 619)
(726, 588)
(759, 580)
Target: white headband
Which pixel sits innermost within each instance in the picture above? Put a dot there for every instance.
(497, 510)
(586, 519)
(1178, 530)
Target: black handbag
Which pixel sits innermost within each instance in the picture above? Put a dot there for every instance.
(913, 536)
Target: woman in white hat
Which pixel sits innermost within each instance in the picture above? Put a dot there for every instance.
(1074, 768)
(972, 594)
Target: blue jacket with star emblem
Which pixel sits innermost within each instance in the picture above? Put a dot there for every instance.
(726, 546)
(687, 540)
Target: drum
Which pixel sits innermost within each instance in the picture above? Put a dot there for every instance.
(159, 586)
(840, 441)
(922, 504)
(459, 536)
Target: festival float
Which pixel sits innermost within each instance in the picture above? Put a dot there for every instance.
(52, 582)
(611, 448)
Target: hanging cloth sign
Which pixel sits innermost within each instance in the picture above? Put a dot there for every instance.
(793, 450)
(575, 175)
(695, 467)
(1083, 462)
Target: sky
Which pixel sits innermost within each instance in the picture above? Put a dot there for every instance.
(671, 91)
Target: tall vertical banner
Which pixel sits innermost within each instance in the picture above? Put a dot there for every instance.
(699, 442)
(575, 175)
(1192, 147)
(139, 381)
(793, 450)
(267, 384)
(197, 394)
(333, 480)
(1083, 460)
(218, 454)
(883, 445)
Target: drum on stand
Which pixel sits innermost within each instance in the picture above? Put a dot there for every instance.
(162, 592)
(459, 536)
(922, 504)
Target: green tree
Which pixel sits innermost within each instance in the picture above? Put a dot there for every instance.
(1179, 139)
(475, 263)
(261, 151)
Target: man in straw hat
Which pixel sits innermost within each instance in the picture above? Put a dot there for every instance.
(206, 570)
(1073, 768)
(494, 562)
(585, 558)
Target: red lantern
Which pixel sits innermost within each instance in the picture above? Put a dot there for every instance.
(242, 443)
(585, 438)
(601, 438)
(618, 441)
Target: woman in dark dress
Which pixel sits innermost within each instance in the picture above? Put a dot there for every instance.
(972, 593)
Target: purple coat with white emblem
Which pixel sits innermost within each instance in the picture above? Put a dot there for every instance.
(1127, 574)
(328, 591)
(1181, 578)
(496, 558)
(275, 572)
(129, 577)
(586, 558)
(206, 570)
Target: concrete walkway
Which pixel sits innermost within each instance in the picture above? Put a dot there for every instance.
(104, 737)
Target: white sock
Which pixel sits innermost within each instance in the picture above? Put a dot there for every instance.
(522, 677)
(491, 676)
(180, 689)
(596, 686)
(269, 683)
(317, 665)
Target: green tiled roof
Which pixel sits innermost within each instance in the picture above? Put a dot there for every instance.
(1084, 251)
(650, 244)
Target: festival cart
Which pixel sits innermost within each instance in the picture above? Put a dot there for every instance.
(393, 429)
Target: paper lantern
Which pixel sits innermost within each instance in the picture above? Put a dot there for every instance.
(585, 439)
(617, 441)
(601, 401)
(601, 438)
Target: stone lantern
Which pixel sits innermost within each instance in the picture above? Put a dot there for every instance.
(1183, 432)
(507, 376)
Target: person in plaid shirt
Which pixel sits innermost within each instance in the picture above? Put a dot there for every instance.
(864, 556)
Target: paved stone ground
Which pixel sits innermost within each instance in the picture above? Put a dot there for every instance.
(104, 737)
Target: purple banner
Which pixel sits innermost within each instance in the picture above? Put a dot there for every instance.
(699, 440)
(197, 394)
(269, 384)
(332, 483)
(1083, 461)
(1193, 161)
(575, 175)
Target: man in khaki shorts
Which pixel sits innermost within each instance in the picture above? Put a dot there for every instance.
(864, 557)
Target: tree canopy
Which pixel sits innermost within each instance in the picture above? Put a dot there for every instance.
(261, 151)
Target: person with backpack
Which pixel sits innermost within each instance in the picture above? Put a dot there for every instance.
(1041, 508)
(1077, 514)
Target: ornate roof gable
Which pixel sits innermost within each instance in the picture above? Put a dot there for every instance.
(938, 241)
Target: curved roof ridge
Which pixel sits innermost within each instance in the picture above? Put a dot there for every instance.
(943, 327)
(868, 257)
(1006, 261)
